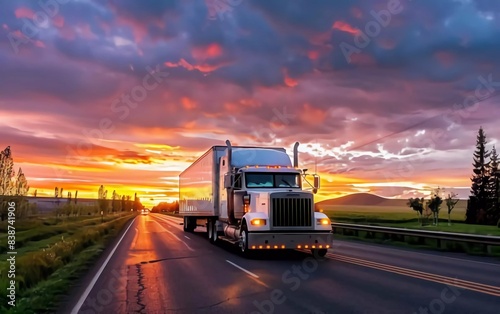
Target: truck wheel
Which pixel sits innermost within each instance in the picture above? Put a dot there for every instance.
(244, 240)
(319, 252)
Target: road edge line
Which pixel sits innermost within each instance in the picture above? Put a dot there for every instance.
(86, 293)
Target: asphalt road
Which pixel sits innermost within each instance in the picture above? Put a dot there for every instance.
(157, 268)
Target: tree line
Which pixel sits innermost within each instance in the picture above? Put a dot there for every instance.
(484, 199)
(14, 187)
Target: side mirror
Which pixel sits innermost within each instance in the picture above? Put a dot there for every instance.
(317, 181)
(228, 181)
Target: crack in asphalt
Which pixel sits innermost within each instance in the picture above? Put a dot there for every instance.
(140, 277)
(166, 259)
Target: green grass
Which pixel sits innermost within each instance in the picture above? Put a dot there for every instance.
(428, 244)
(47, 264)
(393, 216)
(401, 217)
(32, 231)
(47, 296)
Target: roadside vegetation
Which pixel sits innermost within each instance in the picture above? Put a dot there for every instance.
(51, 254)
(54, 248)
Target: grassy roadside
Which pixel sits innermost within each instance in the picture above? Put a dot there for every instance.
(429, 244)
(397, 219)
(47, 267)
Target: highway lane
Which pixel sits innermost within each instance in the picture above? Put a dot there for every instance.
(157, 268)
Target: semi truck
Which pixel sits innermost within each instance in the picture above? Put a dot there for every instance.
(253, 197)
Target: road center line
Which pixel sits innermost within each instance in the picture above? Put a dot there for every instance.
(243, 269)
(86, 293)
(460, 283)
(465, 260)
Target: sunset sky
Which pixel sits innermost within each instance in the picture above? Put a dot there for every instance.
(385, 96)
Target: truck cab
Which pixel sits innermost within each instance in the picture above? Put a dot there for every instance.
(270, 205)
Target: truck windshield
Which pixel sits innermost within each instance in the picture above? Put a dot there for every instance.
(272, 180)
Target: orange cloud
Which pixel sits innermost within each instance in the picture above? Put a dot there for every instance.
(205, 68)
(312, 115)
(313, 55)
(290, 82)
(24, 12)
(343, 26)
(188, 103)
(211, 51)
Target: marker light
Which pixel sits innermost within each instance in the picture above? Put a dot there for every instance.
(323, 221)
(258, 222)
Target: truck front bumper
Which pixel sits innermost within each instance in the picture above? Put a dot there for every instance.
(269, 240)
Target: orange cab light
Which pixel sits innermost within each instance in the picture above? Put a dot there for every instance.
(320, 246)
(327, 246)
(282, 246)
(260, 246)
(314, 246)
(275, 246)
(306, 246)
(299, 246)
(253, 246)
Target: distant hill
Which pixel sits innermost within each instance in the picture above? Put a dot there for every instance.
(363, 199)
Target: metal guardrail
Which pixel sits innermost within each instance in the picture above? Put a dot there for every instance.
(440, 235)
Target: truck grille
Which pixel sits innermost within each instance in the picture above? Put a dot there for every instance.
(291, 212)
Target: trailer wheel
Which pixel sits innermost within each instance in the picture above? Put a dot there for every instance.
(215, 236)
(209, 229)
(188, 224)
(212, 231)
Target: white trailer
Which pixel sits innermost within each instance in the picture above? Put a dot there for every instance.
(253, 197)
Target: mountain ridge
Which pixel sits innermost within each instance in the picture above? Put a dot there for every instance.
(363, 199)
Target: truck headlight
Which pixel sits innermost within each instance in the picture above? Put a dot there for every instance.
(323, 221)
(258, 222)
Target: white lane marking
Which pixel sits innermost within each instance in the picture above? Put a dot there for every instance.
(243, 269)
(189, 248)
(99, 272)
(419, 253)
(187, 237)
(135, 237)
(169, 221)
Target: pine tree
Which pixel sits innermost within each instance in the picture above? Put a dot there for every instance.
(494, 185)
(479, 198)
